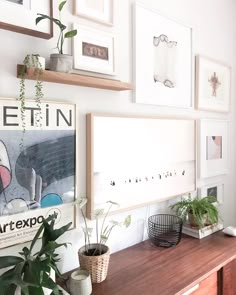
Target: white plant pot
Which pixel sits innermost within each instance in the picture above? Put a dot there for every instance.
(61, 63)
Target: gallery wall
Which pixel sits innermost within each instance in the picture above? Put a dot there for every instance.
(214, 31)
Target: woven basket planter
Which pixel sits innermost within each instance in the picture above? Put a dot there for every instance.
(97, 266)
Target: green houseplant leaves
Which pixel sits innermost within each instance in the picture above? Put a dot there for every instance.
(31, 271)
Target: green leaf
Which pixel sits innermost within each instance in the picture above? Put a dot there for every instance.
(98, 212)
(127, 221)
(81, 202)
(50, 247)
(55, 20)
(61, 5)
(51, 234)
(71, 34)
(6, 261)
(113, 203)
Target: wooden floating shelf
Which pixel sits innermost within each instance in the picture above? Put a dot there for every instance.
(76, 79)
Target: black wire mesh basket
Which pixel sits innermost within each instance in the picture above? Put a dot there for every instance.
(165, 230)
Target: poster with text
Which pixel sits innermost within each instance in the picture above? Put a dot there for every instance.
(37, 167)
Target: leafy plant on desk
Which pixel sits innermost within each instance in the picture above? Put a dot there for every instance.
(31, 271)
(102, 234)
(198, 211)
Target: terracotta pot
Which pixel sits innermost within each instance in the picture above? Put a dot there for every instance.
(97, 266)
(193, 223)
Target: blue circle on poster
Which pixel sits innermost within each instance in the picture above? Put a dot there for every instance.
(51, 200)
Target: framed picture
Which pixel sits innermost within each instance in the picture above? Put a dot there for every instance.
(215, 190)
(212, 85)
(213, 147)
(37, 167)
(100, 10)
(26, 12)
(93, 51)
(162, 59)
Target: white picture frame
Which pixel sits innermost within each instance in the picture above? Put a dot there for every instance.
(99, 11)
(93, 50)
(167, 44)
(213, 147)
(214, 189)
(212, 84)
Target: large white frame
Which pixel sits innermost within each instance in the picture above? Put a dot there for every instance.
(103, 15)
(210, 71)
(150, 29)
(218, 166)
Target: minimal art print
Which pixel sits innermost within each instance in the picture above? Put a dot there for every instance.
(25, 3)
(37, 168)
(214, 147)
(93, 50)
(162, 59)
(214, 190)
(212, 85)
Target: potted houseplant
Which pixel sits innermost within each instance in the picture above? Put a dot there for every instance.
(36, 64)
(199, 212)
(94, 257)
(30, 272)
(59, 62)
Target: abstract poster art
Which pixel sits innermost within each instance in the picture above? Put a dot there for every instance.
(37, 167)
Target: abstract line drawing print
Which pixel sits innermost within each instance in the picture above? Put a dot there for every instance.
(165, 59)
(214, 83)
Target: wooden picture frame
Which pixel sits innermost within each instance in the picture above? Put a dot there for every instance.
(126, 160)
(98, 11)
(213, 79)
(24, 23)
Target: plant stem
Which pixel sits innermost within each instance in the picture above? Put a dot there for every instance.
(104, 219)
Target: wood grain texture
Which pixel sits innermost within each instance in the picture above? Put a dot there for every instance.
(146, 269)
(229, 278)
(79, 80)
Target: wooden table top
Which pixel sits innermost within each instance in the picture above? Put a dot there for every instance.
(146, 269)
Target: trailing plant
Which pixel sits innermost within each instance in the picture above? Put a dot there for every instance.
(203, 210)
(104, 231)
(62, 27)
(31, 271)
(31, 61)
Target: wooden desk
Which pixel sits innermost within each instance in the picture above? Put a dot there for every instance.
(195, 267)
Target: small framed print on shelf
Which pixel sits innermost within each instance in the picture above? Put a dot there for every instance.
(100, 10)
(213, 147)
(212, 85)
(93, 51)
(215, 190)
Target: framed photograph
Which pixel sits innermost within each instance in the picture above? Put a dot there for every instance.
(212, 85)
(93, 50)
(162, 59)
(215, 190)
(26, 12)
(213, 147)
(37, 167)
(99, 11)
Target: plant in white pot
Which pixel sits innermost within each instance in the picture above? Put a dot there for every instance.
(60, 62)
(94, 257)
(30, 273)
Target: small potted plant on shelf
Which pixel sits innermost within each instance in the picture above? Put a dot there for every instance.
(94, 257)
(35, 64)
(199, 212)
(59, 62)
(31, 272)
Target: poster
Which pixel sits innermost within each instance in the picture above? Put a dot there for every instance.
(37, 167)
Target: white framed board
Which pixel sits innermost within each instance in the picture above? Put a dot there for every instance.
(136, 161)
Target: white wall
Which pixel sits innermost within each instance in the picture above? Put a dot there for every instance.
(214, 27)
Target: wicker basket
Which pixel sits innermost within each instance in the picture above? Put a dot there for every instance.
(97, 266)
